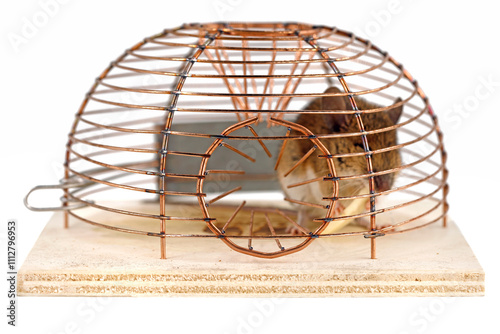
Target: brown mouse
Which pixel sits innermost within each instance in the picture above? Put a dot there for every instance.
(314, 167)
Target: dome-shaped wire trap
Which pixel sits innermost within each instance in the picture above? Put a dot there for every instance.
(264, 135)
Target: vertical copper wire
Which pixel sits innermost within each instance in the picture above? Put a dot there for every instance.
(237, 103)
(245, 77)
(165, 139)
(233, 216)
(364, 139)
(250, 230)
(288, 83)
(268, 79)
(264, 147)
(254, 84)
(273, 232)
(282, 149)
(286, 100)
(233, 72)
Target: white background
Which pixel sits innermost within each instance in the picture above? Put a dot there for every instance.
(450, 47)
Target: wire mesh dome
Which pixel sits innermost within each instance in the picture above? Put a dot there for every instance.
(266, 136)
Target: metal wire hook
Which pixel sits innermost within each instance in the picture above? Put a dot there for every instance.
(63, 185)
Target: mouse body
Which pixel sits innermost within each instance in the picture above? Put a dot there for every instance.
(315, 167)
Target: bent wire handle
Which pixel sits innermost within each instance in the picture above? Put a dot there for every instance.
(56, 186)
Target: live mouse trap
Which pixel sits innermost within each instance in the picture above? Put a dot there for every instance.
(179, 178)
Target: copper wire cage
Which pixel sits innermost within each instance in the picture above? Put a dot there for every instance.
(195, 118)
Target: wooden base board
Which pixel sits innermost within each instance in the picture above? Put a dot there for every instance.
(86, 260)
